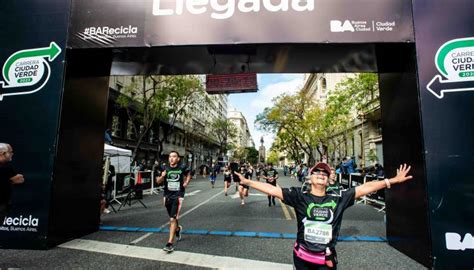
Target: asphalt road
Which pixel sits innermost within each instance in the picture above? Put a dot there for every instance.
(219, 233)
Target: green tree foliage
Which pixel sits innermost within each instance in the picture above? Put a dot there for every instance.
(273, 157)
(294, 119)
(225, 131)
(301, 124)
(161, 101)
(252, 155)
(354, 95)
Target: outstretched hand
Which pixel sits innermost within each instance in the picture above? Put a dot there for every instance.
(243, 180)
(402, 172)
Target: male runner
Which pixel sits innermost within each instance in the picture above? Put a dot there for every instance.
(213, 175)
(319, 215)
(227, 179)
(271, 176)
(176, 178)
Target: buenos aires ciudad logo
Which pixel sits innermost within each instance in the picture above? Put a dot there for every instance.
(27, 71)
(455, 62)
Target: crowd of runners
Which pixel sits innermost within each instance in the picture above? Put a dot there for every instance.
(319, 204)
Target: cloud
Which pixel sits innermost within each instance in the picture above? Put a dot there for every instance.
(264, 99)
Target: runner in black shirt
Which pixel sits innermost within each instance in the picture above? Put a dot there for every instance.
(227, 179)
(319, 214)
(175, 177)
(271, 176)
(213, 174)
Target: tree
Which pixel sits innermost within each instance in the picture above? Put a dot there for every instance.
(273, 157)
(225, 132)
(252, 155)
(163, 100)
(295, 120)
(142, 102)
(240, 154)
(352, 95)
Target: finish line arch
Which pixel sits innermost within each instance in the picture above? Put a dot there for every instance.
(56, 57)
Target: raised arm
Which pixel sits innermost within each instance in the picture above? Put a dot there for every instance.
(161, 178)
(263, 187)
(373, 186)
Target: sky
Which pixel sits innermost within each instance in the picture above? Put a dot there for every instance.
(251, 104)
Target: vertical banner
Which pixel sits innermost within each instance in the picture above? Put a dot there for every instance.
(444, 33)
(32, 52)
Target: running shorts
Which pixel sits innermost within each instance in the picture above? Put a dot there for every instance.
(173, 206)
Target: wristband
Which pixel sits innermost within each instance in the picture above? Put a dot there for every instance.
(387, 183)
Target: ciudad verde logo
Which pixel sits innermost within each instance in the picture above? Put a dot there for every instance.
(27, 71)
(455, 62)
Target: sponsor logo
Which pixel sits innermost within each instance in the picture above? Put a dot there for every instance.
(21, 223)
(454, 241)
(338, 26)
(27, 71)
(107, 35)
(455, 62)
(221, 10)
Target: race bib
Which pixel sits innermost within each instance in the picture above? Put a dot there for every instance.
(317, 232)
(173, 186)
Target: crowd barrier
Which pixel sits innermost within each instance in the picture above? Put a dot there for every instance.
(141, 181)
(357, 179)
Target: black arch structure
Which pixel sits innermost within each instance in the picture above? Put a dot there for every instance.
(57, 133)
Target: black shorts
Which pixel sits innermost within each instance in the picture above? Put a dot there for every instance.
(173, 206)
(245, 186)
(228, 180)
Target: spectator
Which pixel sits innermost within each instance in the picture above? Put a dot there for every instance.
(8, 177)
(379, 170)
(107, 137)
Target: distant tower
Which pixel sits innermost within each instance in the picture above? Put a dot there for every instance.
(261, 152)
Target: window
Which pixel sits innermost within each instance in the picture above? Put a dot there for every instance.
(130, 134)
(116, 126)
(150, 139)
(323, 85)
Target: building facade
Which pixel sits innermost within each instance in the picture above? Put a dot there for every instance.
(192, 135)
(243, 137)
(363, 138)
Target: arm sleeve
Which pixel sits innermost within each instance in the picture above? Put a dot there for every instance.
(10, 172)
(291, 196)
(348, 197)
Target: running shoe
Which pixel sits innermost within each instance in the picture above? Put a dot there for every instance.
(169, 247)
(178, 233)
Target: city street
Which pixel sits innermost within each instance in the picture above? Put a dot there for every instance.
(218, 233)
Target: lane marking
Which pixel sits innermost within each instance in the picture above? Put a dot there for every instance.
(236, 195)
(293, 211)
(138, 240)
(192, 193)
(285, 210)
(179, 257)
(349, 238)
